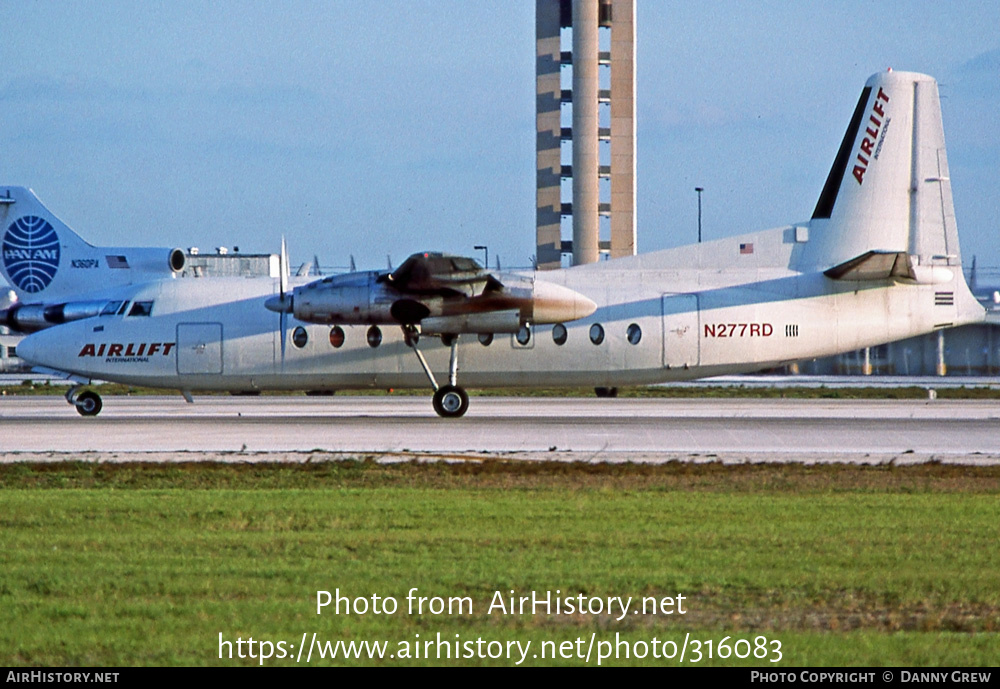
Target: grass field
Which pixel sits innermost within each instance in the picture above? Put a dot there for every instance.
(117, 565)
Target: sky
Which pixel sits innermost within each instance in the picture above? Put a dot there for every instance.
(379, 129)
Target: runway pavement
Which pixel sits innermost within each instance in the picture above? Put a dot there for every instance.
(157, 428)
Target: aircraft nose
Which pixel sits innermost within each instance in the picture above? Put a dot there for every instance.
(28, 349)
(46, 348)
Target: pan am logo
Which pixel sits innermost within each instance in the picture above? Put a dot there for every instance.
(31, 253)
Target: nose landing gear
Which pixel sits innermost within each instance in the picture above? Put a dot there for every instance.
(87, 402)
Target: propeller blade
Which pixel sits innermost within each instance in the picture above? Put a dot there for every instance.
(284, 336)
(283, 277)
(283, 289)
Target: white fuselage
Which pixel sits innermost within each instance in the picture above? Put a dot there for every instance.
(692, 312)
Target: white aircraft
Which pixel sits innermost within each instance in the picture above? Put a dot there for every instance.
(878, 261)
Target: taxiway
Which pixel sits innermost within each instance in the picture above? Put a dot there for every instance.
(965, 431)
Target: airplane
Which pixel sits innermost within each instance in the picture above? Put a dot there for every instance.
(877, 261)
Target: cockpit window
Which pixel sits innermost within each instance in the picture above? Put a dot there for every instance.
(112, 307)
(141, 308)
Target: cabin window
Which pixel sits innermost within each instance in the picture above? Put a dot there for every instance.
(141, 308)
(374, 336)
(523, 335)
(634, 333)
(300, 337)
(12, 352)
(337, 337)
(485, 339)
(597, 333)
(559, 334)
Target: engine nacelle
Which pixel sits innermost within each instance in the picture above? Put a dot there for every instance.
(440, 306)
(351, 299)
(29, 318)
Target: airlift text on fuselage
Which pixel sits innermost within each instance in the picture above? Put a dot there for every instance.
(127, 350)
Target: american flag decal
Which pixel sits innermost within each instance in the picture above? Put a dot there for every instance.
(746, 248)
(117, 261)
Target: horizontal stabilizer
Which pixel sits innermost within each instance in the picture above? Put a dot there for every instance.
(874, 265)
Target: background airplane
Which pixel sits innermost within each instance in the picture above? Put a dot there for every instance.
(878, 261)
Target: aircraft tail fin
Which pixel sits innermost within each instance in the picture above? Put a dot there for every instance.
(34, 243)
(45, 261)
(889, 189)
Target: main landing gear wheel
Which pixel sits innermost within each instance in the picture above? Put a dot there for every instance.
(451, 401)
(88, 403)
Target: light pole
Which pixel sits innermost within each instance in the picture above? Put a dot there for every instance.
(486, 249)
(699, 190)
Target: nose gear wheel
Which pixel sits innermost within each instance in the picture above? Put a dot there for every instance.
(87, 402)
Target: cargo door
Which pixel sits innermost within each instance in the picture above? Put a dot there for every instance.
(680, 330)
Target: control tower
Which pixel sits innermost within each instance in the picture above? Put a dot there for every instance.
(599, 132)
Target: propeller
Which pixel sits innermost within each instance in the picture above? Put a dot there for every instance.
(282, 303)
(282, 290)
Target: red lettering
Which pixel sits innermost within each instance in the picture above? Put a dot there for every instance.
(863, 160)
(88, 350)
(100, 350)
(872, 133)
(153, 348)
(745, 330)
(882, 95)
(142, 348)
(128, 350)
(878, 123)
(115, 350)
(866, 146)
(877, 109)
(167, 346)
(859, 173)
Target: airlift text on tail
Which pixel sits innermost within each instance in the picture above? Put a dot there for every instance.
(872, 131)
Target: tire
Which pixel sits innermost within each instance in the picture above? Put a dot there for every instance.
(451, 401)
(88, 403)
